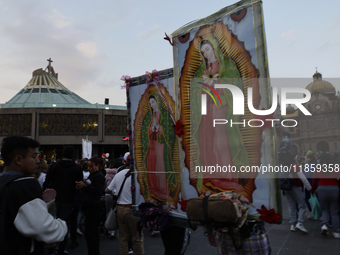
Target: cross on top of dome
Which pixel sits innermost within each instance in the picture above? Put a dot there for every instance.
(50, 61)
(49, 68)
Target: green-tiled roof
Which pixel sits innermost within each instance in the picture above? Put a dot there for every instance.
(44, 90)
(50, 105)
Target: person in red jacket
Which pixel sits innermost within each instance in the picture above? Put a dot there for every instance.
(328, 192)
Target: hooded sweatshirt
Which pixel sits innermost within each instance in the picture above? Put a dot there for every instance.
(62, 177)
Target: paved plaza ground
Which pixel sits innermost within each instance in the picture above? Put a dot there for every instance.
(283, 241)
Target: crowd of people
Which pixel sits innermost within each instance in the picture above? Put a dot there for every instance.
(80, 200)
(84, 191)
(321, 170)
(83, 194)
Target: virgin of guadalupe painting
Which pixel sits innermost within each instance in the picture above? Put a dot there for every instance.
(156, 147)
(216, 56)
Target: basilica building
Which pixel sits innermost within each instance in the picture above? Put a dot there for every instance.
(49, 112)
(319, 132)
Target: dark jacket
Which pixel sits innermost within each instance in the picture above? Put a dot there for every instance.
(21, 200)
(91, 194)
(62, 176)
(286, 152)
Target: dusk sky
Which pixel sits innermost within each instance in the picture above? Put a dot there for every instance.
(93, 43)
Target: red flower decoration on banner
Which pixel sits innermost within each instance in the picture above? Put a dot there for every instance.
(153, 76)
(178, 128)
(269, 216)
(183, 204)
(168, 39)
(269, 123)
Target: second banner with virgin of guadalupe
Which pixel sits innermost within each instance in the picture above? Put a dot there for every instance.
(154, 141)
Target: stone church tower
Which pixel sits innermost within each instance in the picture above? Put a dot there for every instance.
(319, 132)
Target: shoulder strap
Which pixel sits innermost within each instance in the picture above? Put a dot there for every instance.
(121, 168)
(121, 187)
(205, 208)
(233, 239)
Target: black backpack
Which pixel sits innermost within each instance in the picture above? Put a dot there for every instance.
(286, 183)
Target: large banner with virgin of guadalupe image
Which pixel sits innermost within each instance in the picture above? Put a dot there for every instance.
(154, 144)
(224, 146)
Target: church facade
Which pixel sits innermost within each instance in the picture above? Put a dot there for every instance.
(319, 132)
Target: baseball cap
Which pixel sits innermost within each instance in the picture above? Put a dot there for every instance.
(126, 155)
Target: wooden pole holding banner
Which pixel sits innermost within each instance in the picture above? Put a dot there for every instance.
(131, 150)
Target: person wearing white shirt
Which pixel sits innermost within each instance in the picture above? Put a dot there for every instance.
(126, 222)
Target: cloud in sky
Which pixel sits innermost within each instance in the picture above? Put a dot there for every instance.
(58, 19)
(93, 46)
(88, 49)
(38, 33)
(288, 34)
(149, 33)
